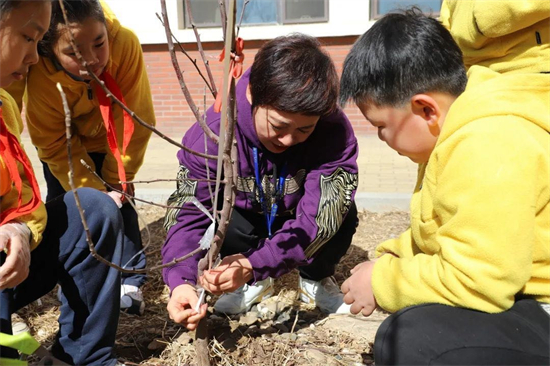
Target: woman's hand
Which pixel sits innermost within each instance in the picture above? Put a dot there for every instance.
(233, 272)
(181, 307)
(15, 241)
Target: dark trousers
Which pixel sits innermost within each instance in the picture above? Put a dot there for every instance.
(247, 228)
(90, 301)
(132, 239)
(435, 334)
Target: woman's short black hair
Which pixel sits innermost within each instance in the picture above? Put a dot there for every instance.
(401, 55)
(293, 74)
(77, 12)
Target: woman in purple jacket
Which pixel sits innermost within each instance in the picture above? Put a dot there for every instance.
(297, 176)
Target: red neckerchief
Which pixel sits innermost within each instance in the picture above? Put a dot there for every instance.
(11, 153)
(106, 108)
(236, 68)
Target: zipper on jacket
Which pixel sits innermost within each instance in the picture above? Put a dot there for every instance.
(90, 92)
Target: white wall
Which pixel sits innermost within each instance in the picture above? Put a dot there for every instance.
(346, 17)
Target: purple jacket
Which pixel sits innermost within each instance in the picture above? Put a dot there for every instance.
(320, 185)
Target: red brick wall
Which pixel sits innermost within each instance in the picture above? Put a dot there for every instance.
(173, 113)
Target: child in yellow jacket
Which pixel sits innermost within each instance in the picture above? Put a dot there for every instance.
(103, 135)
(469, 281)
(43, 245)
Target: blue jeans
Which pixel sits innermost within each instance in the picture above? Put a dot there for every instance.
(90, 301)
(132, 240)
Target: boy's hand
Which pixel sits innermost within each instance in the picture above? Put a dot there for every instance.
(14, 240)
(233, 272)
(358, 289)
(182, 304)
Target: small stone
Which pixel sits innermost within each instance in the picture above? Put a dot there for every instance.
(249, 319)
(317, 356)
(283, 317)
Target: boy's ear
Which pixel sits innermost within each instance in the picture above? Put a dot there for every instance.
(426, 107)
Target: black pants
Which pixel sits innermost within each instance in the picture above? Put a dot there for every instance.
(434, 334)
(132, 235)
(247, 228)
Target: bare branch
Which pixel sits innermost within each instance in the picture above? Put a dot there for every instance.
(242, 15)
(179, 75)
(168, 180)
(199, 46)
(206, 151)
(115, 99)
(193, 61)
(81, 211)
(223, 14)
(144, 124)
(110, 187)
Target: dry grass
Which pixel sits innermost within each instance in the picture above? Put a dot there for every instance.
(153, 339)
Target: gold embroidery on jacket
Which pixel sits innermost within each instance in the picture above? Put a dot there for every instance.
(335, 201)
(185, 191)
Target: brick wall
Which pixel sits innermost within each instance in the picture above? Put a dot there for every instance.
(173, 113)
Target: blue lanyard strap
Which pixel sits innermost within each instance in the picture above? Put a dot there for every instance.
(269, 214)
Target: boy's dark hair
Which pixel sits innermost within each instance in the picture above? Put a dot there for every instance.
(77, 12)
(401, 55)
(293, 74)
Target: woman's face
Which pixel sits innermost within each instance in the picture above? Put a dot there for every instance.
(20, 31)
(93, 43)
(278, 130)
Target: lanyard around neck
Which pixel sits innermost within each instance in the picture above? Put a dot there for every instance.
(277, 194)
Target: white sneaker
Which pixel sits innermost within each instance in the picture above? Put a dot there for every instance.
(244, 297)
(131, 300)
(325, 294)
(18, 325)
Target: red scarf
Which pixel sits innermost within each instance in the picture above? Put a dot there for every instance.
(11, 153)
(106, 108)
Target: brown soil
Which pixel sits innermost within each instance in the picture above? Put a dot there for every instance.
(308, 337)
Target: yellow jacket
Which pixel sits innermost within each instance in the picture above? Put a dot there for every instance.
(480, 215)
(46, 120)
(504, 35)
(36, 221)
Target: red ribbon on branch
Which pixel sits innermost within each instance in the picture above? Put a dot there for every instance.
(236, 68)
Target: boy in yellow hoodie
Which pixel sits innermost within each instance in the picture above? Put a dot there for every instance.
(103, 135)
(469, 281)
(42, 245)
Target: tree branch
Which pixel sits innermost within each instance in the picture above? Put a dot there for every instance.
(193, 61)
(179, 75)
(115, 99)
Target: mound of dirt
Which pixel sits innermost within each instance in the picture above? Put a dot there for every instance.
(280, 331)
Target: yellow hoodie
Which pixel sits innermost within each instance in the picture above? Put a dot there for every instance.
(480, 215)
(36, 221)
(46, 120)
(504, 35)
